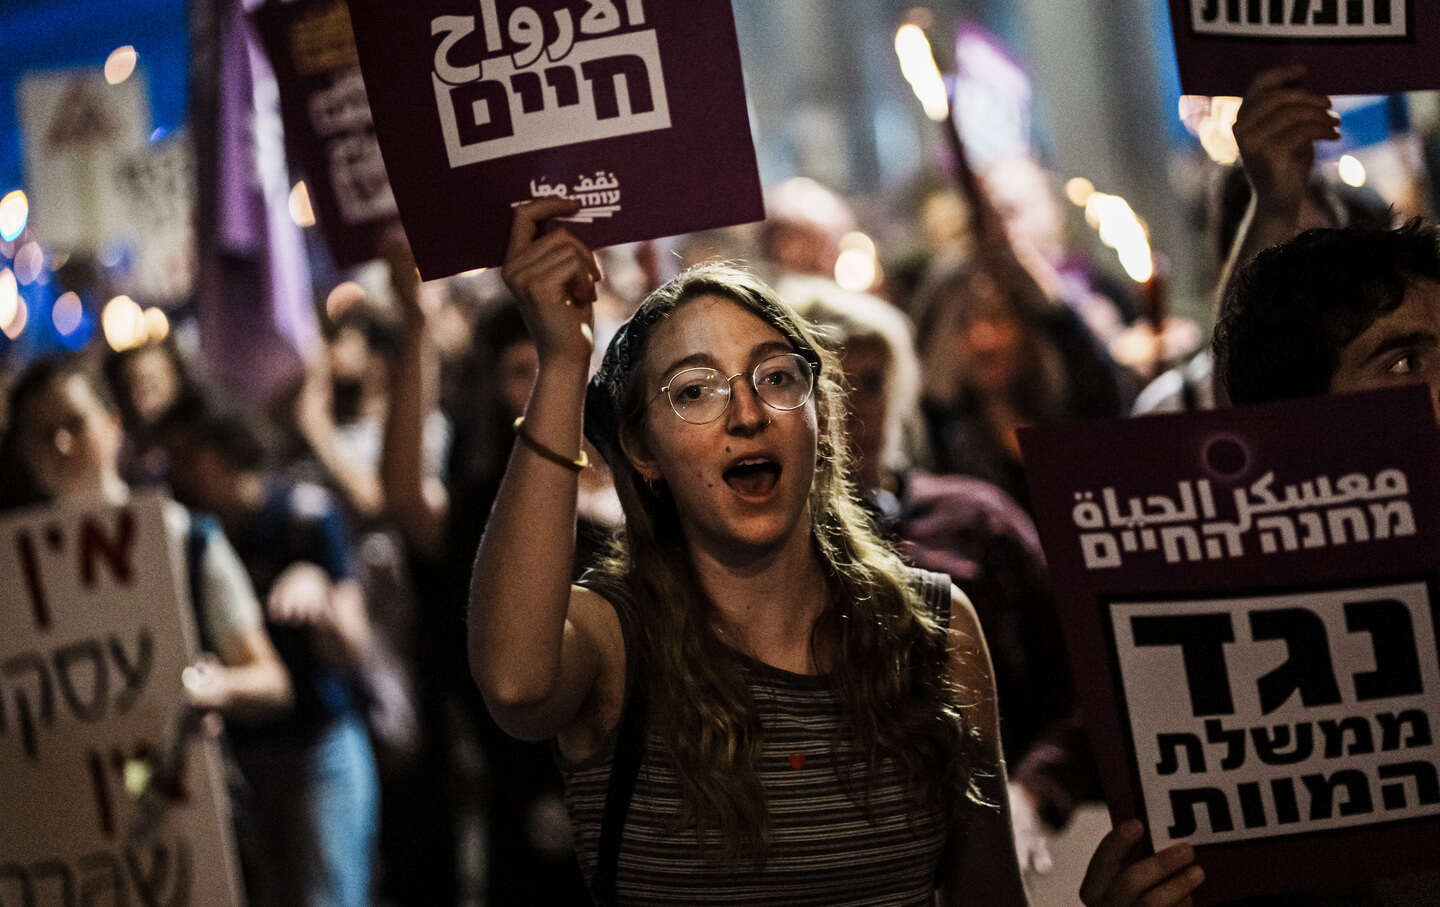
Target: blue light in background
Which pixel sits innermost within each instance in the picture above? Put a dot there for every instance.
(57, 34)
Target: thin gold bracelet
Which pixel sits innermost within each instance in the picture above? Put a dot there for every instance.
(547, 453)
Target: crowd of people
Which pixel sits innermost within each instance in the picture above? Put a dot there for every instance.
(759, 609)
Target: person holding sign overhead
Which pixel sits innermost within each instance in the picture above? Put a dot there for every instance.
(1326, 310)
(752, 697)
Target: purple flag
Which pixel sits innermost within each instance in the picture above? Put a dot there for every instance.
(257, 317)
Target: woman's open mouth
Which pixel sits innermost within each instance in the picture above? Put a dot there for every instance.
(753, 477)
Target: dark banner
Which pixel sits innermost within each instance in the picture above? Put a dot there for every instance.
(635, 108)
(1350, 46)
(328, 129)
(1258, 586)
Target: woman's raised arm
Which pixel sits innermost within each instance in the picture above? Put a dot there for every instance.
(533, 655)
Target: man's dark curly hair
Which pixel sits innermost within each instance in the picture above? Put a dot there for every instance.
(1289, 312)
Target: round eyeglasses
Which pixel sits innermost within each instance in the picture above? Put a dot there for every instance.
(700, 395)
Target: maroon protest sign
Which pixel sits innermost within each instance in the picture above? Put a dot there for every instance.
(328, 128)
(634, 107)
(1258, 588)
(1350, 46)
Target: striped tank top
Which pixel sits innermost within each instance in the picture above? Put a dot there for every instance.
(826, 848)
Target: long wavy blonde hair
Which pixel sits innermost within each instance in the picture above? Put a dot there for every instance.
(889, 665)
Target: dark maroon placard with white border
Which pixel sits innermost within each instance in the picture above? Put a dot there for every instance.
(328, 127)
(1250, 601)
(1350, 46)
(634, 107)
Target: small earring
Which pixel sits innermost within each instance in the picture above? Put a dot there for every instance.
(653, 483)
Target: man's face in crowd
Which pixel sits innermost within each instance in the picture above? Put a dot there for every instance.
(1399, 347)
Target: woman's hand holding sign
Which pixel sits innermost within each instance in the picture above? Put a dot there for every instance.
(553, 277)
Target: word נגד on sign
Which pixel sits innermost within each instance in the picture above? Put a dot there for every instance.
(1269, 715)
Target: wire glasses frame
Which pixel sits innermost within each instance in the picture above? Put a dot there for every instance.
(700, 395)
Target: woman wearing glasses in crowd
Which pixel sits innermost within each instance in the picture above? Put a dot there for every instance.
(753, 699)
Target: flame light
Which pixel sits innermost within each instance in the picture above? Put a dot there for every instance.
(1079, 190)
(157, 325)
(300, 210)
(9, 296)
(1121, 229)
(67, 313)
(857, 268)
(917, 64)
(123, 323)
(1212, 121)
(120, 64)
(1352, 172)
(18, 322)
(14, 212)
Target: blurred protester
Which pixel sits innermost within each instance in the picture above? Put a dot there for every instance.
(362, 346)
(1002, 350)
(1024, 194)
(529, 856)
(68, 435)
(803, 226)
(146, 381)
(311, 410)
(1273, 196)
(1329, 311)
(1000, 354)
(974, 532)
(313, 776)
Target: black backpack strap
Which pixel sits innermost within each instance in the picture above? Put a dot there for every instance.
(197, 541)
(624, 772)
(935, 590)
(1189, 393)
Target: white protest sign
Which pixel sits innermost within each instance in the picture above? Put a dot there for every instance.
(157, 184)
(95, 629)
(78, 131)
(1293, 713)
